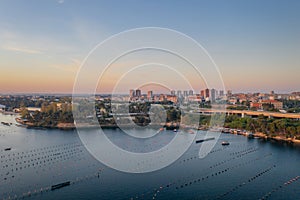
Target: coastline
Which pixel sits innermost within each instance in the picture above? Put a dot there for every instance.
(167, 126)
(276, 138)
(8, 112)
(72, 126)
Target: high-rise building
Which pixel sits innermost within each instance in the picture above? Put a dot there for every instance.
(229, 92)
(213, 95)
(206, 95)
(191, 92)
(131, 93)
(272, 92)
(185, 93)
(221, 93)
(173, 92)
(202, 93)
(138, 93)
(179, 94)
(149, 94)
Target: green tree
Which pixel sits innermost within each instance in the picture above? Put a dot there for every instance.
(25, 113)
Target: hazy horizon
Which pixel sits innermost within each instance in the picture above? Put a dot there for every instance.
(144, 92)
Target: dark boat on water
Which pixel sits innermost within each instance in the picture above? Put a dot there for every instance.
(6, 124)
(203, 140)
(250, 136)
(224, 143)
(58, 186)
(225, 130)
(7, 149)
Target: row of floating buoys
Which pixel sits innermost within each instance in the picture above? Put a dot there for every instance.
(238, 154)
(222, 162)
(232, 158)
(233, 189)
(218, 149)
(20, 155)
(41, 190)
(77, 180)
(243, 151)
(248, 152)
(197, 150)
(28, 159)
(33, 160)
(222, 171)
(212, 151)
(47, 149)
(227, 147)
(287, 183)
(16, 161)
(214, 174)
(188, 159)
(17, 169)
(179, 185)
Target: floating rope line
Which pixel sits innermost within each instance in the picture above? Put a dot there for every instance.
(244, 183)
(276, 189)
(179, 185)
(38, 159)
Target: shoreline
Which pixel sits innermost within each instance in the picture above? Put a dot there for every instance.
(8, 112)
(167, 126)
(72, 126)
(277, 138)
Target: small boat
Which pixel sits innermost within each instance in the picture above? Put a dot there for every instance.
(203, 140)
(224, 143)
(5, 123)
(7, 149)
(226, 130)
(175, 130)
(250, 136)
(58, 186)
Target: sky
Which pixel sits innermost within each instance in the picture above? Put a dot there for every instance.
(255, 44)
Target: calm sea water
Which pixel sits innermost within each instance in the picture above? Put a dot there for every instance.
(246, 169)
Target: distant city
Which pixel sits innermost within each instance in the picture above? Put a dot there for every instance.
(251, 100)
(254, 101)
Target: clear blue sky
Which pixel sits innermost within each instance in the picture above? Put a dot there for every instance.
(256, 43)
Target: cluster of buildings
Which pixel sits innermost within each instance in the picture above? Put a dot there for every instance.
(259, 105)
(206, 95)
(257, 100)
(251, 100)
(136, 95)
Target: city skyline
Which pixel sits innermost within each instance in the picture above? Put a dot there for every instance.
(156, 92)
(255, 44)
